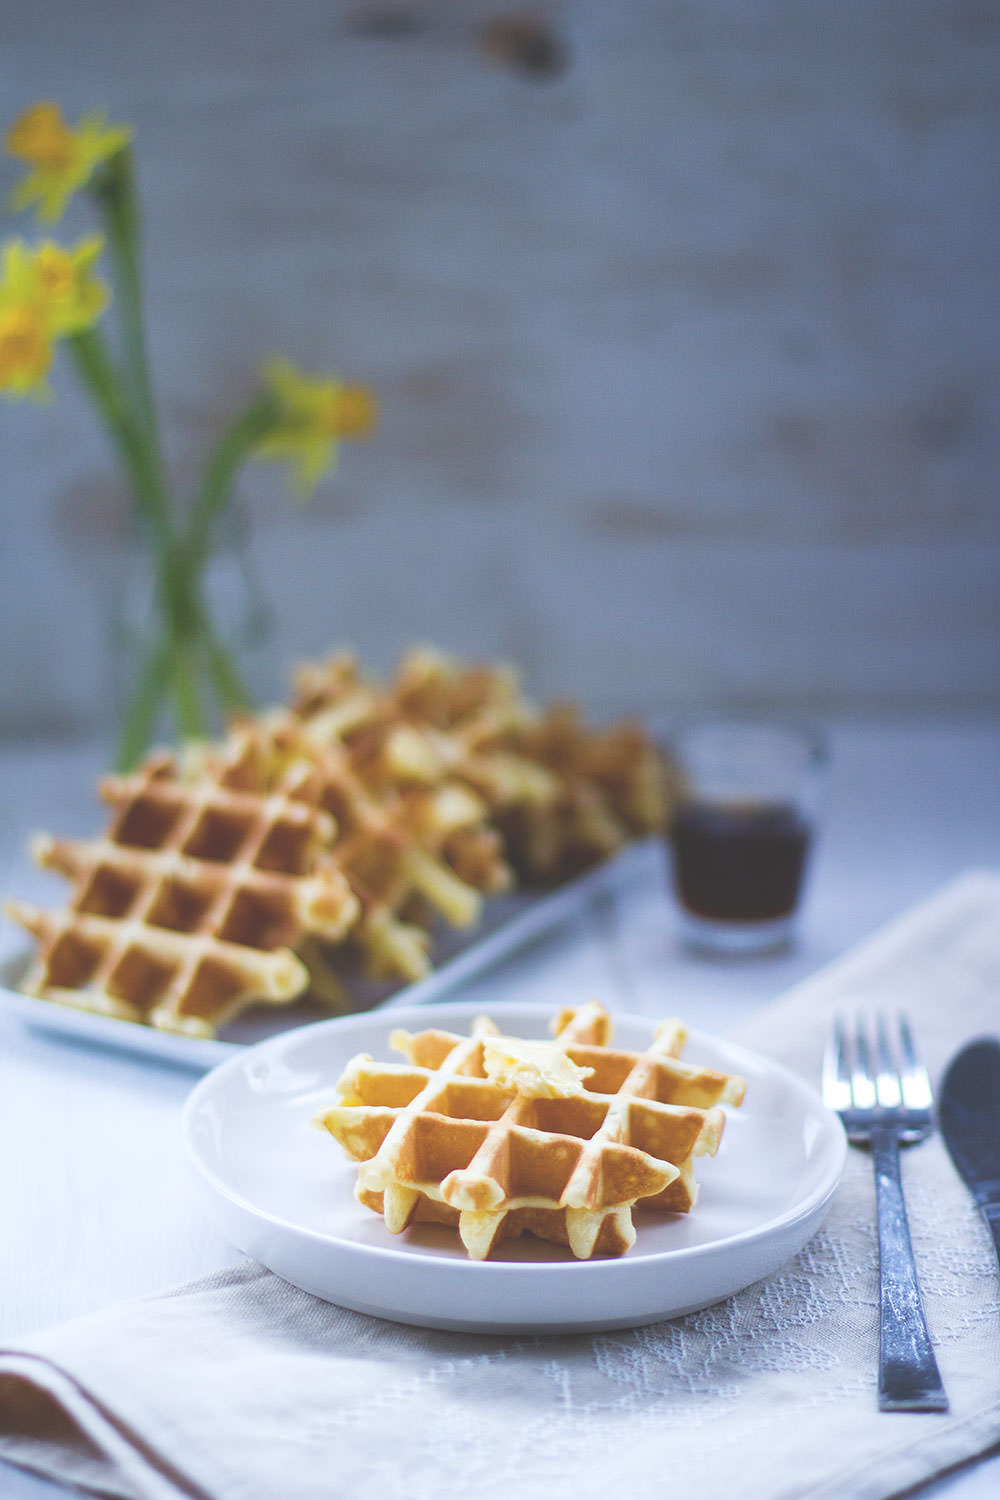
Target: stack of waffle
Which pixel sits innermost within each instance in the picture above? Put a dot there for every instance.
(562, 795)
(327, 838)
(502, 1137)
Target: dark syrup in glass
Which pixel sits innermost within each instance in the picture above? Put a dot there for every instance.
(739, 862)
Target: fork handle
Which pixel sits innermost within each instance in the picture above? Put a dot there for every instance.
(908, 1374)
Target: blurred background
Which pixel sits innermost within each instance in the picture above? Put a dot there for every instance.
(682, 316)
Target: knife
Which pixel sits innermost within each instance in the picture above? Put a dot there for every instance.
(969, 1117)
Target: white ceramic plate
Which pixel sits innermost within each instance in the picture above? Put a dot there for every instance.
(282, 1191)
(508, 925)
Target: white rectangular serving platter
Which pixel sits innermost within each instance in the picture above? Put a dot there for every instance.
(509, 925)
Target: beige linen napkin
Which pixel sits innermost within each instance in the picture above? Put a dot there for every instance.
(240, 1387)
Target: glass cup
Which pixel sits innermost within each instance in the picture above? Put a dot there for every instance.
(742, 830)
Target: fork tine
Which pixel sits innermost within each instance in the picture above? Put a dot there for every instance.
(888, 1084)
(915, 1082)
(862, 1078)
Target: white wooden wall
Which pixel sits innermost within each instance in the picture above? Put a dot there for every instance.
(683, 316)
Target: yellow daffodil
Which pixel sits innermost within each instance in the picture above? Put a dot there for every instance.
(313, 416)
(25, 349)
(74, 296)
(60, 280)
(61, 158)
(46, 293)
(26, 335)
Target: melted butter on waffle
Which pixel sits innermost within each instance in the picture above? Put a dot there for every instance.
(535, 1070)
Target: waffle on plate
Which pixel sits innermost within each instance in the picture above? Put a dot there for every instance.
(502, 1136)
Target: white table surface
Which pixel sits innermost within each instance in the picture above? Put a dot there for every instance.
(98, 1201)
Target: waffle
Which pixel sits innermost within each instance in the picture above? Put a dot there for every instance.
(328, 837)
(467, 717)
(502, 1136)
(436, 721)
(563, 796)
(613, 786)
(419, 842)
(412, 853)
(188, 908)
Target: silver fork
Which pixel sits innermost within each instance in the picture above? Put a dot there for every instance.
(883, 1097)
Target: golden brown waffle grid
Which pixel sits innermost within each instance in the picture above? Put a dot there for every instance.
(190, 905)
(440, 1140)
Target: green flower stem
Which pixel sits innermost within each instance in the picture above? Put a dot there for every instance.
(170, 670)
(200, 633)
(190, 656)
(176, 582)
(232, 690)
(184, 679)
(113, 189)
(93, 363)
(230, 453)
